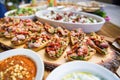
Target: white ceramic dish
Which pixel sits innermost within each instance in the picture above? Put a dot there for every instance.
(21, 17)
(82, 66)
(87, 27)
(39, 7)
(29, 53)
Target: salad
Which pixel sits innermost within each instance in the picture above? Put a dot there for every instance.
(69, 17)
(23, 12)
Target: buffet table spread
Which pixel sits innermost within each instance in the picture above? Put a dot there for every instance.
(108, 30)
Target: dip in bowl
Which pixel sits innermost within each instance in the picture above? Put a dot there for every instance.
(81, 70)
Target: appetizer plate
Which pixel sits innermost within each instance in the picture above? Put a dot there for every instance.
(30, 54)
(81, 66)
(90, 6)
(21, 17)
(39, 3)
(38, 7)
(86, 27)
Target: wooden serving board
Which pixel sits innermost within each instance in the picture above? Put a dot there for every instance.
(51, 63)
(109, 30)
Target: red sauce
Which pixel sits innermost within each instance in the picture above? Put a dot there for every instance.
(17, 68)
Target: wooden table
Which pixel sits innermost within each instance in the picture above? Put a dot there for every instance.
(109, 30)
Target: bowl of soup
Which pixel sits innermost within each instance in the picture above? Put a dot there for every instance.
(21, 64)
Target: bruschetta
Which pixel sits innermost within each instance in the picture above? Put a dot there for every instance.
(49, 28)
(56, 47)
(38, 42)
(76, 36)
(99, 43)
(20, 38)
(35, 26)
(81, 51)
(62, 32)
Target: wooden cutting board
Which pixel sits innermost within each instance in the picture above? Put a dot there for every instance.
(108, 30)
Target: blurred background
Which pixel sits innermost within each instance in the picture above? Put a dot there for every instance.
(12, 4)
(6, 5)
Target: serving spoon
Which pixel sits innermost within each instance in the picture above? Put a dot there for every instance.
(115, 43)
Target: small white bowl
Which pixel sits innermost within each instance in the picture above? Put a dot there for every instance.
(87, 27)
(81, 66)
(21, 17)
(30, 54)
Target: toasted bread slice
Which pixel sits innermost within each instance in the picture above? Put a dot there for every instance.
(56, 47)
(99, 43)
(80, 52)
(38, 42)
(37, 48)
(62, 32)
(49, 28)
(9, 35)
(19, 39)
(76, 36)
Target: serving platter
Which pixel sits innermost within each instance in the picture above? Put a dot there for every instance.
(109, 30)
(52, 63)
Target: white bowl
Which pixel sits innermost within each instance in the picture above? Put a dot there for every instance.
(39, 7)
(87, 27)
(30, 54)
(21, 17)
(82, 66)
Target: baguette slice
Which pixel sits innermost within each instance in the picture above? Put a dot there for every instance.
(99, 43)
(8, 35)
(56, 47)
(62, 32)
(49, 29)
(19, 39)
(36, 43)
(76, 36)
(80, 51)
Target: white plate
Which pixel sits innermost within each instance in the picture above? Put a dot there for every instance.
(29, 53)
(87, 27)
(82, 66)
